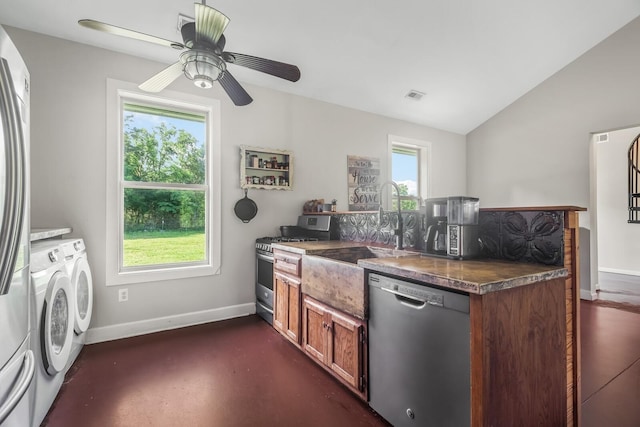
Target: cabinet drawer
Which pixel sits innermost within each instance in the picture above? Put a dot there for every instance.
(287, 262)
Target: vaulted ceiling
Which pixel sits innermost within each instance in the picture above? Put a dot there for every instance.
(470, 58)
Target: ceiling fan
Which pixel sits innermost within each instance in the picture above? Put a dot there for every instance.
(204, 60)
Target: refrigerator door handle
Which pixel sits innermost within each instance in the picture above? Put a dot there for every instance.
(22, 385)
(14, 198)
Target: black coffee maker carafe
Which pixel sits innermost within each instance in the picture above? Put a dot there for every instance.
(437, 238)
(436, 227)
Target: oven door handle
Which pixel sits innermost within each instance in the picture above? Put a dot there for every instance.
(265, 258)
(264, 307)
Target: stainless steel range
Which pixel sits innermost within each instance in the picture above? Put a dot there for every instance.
(309, 228)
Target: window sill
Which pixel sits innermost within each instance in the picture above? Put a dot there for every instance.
(162, 274)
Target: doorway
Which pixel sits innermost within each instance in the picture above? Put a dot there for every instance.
(615, 243)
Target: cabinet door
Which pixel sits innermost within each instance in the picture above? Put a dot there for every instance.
(280, 303)
(314, 328)
(286, 306)
(344, 353)
(293, 319)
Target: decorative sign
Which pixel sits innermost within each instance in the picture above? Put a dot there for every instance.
(363, 183)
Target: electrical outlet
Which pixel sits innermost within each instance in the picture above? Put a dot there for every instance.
(123, 295)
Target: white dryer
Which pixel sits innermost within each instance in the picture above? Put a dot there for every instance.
(54, 311)
(77, 267)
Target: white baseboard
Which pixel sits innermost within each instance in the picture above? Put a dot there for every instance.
(619, 271)
(142, 327)
(588, 295)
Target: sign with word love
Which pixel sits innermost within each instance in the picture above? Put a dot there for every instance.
(363, 183)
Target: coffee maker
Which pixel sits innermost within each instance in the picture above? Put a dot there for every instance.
(451, 225)
(436, 227)
(462, 227)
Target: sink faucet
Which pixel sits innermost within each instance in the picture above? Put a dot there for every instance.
(399, 232)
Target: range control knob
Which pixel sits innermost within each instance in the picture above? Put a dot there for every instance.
(410, 413)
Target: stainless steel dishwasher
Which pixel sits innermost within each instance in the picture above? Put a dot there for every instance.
(419, 354)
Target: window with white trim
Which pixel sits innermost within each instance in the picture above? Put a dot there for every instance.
(163, 195)
(408, 160)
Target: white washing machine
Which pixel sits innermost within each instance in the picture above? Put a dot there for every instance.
(77, 267)
(54, 330)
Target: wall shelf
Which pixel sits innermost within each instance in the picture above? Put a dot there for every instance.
(266, 168)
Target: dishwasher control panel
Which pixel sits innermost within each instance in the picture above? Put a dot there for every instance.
(421, 293)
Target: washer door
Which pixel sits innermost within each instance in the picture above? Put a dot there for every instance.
(57, 331)
(83, 295)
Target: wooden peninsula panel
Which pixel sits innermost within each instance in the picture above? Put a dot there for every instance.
(518, 356)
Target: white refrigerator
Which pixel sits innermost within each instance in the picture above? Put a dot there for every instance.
(17, 388)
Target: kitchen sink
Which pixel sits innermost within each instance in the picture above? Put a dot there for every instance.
(333, 277)
(353, 254)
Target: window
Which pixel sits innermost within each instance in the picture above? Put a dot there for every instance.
(162, 193)
(408, 160)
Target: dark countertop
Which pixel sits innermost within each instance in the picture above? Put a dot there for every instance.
(478, 276)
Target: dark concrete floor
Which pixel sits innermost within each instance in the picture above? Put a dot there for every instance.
(241, 372)
(610, 341)
(238, 372)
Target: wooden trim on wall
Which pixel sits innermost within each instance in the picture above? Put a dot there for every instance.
(574, 366)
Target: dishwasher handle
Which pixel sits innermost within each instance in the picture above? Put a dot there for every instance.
(408, 300)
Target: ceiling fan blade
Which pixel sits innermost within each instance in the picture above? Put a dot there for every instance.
(118, 31)
(163, 79)
(275, 68)
(210, 24)
(238, 95)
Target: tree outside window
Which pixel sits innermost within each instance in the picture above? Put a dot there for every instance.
(405, 171)
(164, 186)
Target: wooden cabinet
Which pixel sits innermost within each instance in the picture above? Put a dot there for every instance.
(266, 168)
(286, 294)
(331, 337)
(337, 342)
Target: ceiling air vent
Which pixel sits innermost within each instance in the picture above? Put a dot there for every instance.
(602, 137)
(415, 95)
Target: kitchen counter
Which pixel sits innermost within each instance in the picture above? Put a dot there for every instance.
(47, 233)
(478, 276)
(519, 326)
(523, 316)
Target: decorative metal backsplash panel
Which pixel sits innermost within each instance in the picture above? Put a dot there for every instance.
(364, 227)
(525, 236)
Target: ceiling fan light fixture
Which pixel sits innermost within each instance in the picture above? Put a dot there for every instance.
(203, 82)
(202, 67)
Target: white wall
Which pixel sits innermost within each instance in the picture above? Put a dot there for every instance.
(618, 241)
(536, 151)
(68, 173)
